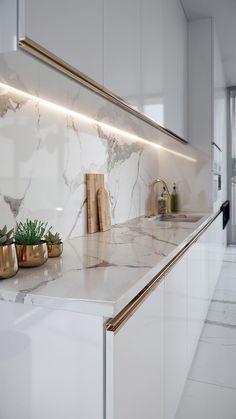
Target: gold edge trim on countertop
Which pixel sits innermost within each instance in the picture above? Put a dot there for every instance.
(121, 318)
(32, 48)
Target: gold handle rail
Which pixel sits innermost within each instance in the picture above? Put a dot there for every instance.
(36, 50)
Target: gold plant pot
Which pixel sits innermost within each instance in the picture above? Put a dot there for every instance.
(8, 261)
(30, 255)
(55, 250)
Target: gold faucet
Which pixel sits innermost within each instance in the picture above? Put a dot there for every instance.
(154, 210)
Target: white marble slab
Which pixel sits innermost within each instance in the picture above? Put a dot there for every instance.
(101, 273)
(46, 155)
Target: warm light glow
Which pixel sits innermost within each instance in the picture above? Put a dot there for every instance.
(59, 209)
(90, 120)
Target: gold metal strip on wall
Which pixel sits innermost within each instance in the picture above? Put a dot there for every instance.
(118, 321)
(57, 63)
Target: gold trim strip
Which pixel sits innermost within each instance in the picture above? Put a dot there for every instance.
(32, 48)
(118, 321)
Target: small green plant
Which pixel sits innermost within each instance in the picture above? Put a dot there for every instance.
(6, 237)
(53, 238)
(30, 232)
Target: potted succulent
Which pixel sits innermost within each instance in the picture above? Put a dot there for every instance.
(31, 247)
(8, 258)
(54, 243)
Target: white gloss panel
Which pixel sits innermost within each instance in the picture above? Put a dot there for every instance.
(8, 25)
(200, 116)
(175, 335)
(135, 363)
(51, 364)
(152, 60)
(176, 310)
(72, 30)
(206, 123)
(122, 51)
(119, 57)
(142, 64)
(198, 300)
(175, 67)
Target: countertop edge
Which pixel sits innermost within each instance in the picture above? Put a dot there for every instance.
(107, 309)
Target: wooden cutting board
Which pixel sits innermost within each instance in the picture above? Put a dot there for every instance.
(104, 211)
(94, 181)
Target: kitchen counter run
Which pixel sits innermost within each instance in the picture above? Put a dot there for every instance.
(100, 273)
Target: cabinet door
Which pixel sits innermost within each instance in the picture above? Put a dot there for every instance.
(73, 30)
(51, 363)
(152, 25)
(134, 363)
(122, 49)
(215, 253)
(8, 25)
(175, 336)
(198, 299)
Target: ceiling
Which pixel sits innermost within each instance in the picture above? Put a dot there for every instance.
(224, 13)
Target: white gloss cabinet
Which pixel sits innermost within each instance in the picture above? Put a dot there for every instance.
(122, 52)
(135, 363)
(197, 295)
(72, 29)
(207, 109)
(148, 358)
(175, 336)
(126, 46)
(8, 25)
(51, 364)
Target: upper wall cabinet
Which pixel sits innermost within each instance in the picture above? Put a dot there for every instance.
(73, 30)
(8, 25)
(152, 54)
(122, 53)
(142, 63)
(136, 49)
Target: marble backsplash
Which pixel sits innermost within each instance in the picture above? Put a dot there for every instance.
(45, 155)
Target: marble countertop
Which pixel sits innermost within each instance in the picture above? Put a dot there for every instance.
(100, 273)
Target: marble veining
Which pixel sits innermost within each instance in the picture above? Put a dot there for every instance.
(46, 156)
(102, 272)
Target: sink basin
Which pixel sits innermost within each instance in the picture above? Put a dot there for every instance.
(180, 218)
(176, 218)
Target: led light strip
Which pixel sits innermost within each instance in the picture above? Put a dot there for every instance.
(90, 120)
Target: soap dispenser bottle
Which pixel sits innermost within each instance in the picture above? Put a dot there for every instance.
(174, 199)
(162, 203)
(166, 195)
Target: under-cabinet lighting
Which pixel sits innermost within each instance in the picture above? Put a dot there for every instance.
(90, 120)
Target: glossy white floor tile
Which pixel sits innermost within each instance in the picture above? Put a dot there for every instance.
(230, 254)
(210, 391)
(207, 401)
